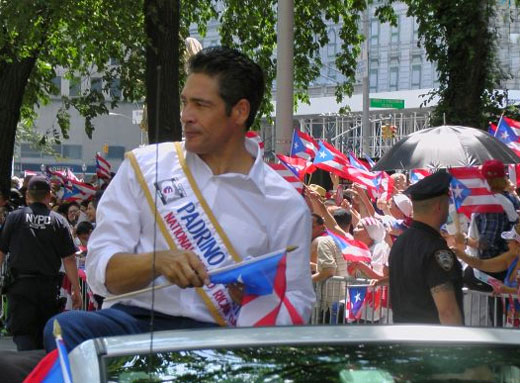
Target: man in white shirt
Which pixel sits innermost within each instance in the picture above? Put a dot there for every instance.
(215, 201)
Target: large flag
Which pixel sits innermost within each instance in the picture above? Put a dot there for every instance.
(303, 146)
(289, 174)
(508, 131)
(103, 167)
(492, 129)
(354, 161)
(418, 174)
(331, 159)
(370, 161)
(54, 367)
(256, 138)
(264, 283)
(471, 192)
(352, 250)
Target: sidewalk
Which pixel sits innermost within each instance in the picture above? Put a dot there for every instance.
(6, 344)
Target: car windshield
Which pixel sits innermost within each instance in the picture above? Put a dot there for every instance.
(361, 363)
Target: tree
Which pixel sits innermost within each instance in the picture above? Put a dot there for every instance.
(459, 38)
(37, 36)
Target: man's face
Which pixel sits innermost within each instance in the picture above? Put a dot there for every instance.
(317, 229)
(207, 127)
(360, 233)
(394, 210)
(91, 212)
(73, 213)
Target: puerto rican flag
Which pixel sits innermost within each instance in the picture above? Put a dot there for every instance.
(355, 302)
(418, 174)
(264, 302)
(254, 136)
(297, 165)
(514, 174)
(352, 250)
(354, 161)
(471, 192)
(303, 146)
(103, 167)
(492, 129)
(370, 161)
(331, 159)
(79, 191)
(508, 131)
(288, 173)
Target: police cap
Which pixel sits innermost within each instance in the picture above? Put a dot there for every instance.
(429, 187)
(39, 183)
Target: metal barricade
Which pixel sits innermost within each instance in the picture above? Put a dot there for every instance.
(343, 300)
(484, 309)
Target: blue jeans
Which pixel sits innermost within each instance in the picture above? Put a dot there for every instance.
(79, 326)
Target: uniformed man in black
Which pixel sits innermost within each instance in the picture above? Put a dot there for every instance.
(37, 241)
(425, 275)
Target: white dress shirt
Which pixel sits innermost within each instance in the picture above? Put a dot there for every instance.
(260, 212)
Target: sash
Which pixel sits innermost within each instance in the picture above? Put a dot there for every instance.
(186, 222)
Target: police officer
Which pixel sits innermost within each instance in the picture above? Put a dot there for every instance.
(37, 241)
(425, 275)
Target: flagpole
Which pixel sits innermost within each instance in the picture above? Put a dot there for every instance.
(498, 124)
(168, 284)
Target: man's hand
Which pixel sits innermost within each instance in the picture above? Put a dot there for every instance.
(182, 268)
(77, 299)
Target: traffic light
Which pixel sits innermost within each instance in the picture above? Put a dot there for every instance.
(388, 131)
(105, 148)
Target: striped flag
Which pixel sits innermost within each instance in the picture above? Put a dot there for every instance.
(508, 131)
(103, 167)
(254, 136)
(492, 129)
(331, 159)
(352, 250)
(288, 174)
(471, 192)
(303, 146)
(514, 174)
(371, 162)
(355, 302)
(297, 165)
(418, 174)
(354, 161)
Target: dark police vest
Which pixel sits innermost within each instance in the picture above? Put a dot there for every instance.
(419, 260)
(36, 239)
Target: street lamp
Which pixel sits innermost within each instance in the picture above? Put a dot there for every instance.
(134, 120)
(42, 168)
(84, 169)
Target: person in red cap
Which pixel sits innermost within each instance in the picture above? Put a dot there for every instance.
(490, 226)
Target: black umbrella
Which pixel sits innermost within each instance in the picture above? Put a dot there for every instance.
(445, 146)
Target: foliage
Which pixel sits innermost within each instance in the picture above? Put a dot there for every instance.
(459, 37)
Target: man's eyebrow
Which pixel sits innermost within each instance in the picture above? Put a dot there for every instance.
(197, 99)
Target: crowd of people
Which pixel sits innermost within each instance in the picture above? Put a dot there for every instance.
(175, 211)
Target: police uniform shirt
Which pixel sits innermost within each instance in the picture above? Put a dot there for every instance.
(36, 238)
(420, 260)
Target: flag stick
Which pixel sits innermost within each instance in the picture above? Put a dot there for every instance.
(168, 284)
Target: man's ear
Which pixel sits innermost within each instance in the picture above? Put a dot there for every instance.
(240, 112)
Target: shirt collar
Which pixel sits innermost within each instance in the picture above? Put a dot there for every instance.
(256, 173)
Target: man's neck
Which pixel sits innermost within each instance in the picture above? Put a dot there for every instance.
(428, 220)
(232, 159)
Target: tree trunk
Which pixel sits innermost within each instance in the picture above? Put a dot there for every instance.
(13, 80)
(162, 70)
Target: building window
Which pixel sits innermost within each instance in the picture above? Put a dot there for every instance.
(115, 88)
(374, 32)
(415, 36)
(74, 87)
(116, 152)
(331, 45)
(74, 152)
(56, 82)
(394, 33)
(331, 70)
(26, 150)
(416, 72)
(96, 84)
(393, 75)
(373, 75)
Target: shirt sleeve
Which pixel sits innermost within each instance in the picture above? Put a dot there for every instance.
(300, 296)
(117, 229)
(326, 253)
(66, 247)
(440, 268)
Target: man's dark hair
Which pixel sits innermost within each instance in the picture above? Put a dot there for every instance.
(38, 195)
(72, 203)
(343, 218)
(84, 227)
(319, 219)
(238, 77)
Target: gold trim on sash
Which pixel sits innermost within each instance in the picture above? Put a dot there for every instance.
(162, 227)
(204, 204)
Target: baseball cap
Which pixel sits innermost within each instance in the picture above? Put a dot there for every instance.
(493, 169)
(39, 183)
(430, 187)
(511, 235)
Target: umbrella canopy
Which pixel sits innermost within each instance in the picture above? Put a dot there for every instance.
(445, 146)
